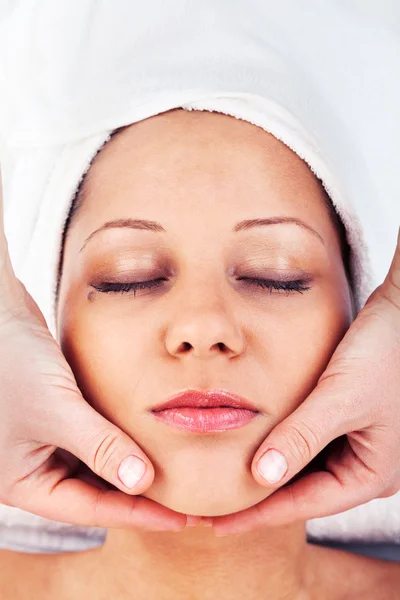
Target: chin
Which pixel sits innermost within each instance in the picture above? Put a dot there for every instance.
(214, 502)
(209, 490)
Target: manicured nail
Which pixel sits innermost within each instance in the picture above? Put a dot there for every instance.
(131, 471)
(272, 466)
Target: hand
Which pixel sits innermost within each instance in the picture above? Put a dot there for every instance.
(46, 426)
(358, 397)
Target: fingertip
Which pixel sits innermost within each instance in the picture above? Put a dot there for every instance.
(271, 467)
(134, 475)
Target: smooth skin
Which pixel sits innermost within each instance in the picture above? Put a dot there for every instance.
(204, 322)
(359, 390)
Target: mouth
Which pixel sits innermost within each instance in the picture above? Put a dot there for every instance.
(206, 412)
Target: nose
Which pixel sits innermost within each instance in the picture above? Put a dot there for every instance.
(204, 329)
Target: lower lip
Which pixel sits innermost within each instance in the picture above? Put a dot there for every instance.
(205, 420)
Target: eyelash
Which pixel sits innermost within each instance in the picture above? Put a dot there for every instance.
(297, 285)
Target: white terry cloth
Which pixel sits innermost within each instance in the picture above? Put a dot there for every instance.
(320, 77)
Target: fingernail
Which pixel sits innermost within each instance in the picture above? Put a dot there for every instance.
(207, 521)
(131, 471)
(272, 466)
(191, 521)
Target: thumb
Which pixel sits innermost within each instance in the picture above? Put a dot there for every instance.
(390, 288)
(299, 438)
(102, 446)
(324, 415)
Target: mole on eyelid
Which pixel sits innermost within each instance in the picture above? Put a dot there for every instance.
(91, 295)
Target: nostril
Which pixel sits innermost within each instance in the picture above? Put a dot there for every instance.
(186, 347)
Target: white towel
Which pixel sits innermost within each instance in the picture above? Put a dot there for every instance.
(320, 77)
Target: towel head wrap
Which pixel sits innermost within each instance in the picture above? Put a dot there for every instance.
(73, 72)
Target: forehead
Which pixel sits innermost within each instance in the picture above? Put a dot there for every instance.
(194, 161)
(197, 141)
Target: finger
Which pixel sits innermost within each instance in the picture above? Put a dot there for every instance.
(52, 493)
(318, 494)
(93, 480)
(10, 290)
(80, 503)
(285, 506)
(2, 236)
(77, 469)
(391, 286)
(103, 447)
(300, 437)
(86, 500)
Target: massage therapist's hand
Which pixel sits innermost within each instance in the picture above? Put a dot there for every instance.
(42, 410)
(358, 397)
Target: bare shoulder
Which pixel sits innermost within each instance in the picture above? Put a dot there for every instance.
(347, 576)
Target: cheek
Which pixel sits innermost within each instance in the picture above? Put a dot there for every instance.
(113, 353)
(108, 357)
(302, 343)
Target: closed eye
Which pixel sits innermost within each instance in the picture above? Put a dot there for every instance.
(295, 285)
(128, 286)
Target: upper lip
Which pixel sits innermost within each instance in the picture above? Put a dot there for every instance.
(205, 399)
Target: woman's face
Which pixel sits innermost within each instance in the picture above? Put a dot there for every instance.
(207, 323)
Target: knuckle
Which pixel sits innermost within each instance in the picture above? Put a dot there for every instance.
(97, 508)
(394, 280)
(106, 449)
(258, 515)
(292, 503)
(133, 509)
(302, 442)
(390, 491)
(390, 294)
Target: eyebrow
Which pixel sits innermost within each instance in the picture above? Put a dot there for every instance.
(241, 226)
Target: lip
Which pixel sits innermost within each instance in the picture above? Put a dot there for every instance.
(205, 412)
(206, 399)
